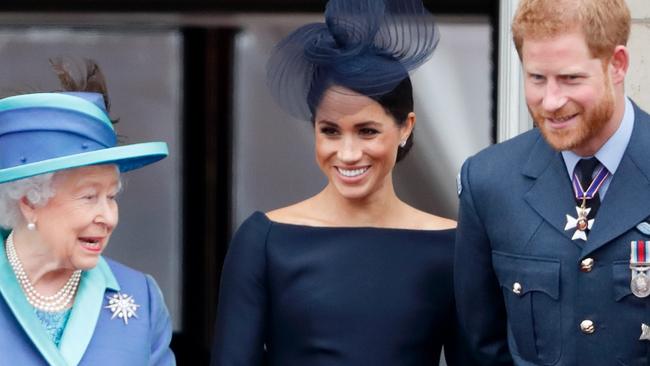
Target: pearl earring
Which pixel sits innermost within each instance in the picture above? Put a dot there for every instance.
(403, 143)
(31, 226)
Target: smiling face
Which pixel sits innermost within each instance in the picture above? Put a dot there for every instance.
(356, 143)
(570, 93)
(75, 225)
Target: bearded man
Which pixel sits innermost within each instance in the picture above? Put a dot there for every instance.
(552, 246)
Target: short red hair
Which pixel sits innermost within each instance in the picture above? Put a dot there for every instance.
(604, 23)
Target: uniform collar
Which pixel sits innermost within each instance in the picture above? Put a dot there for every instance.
(83, 318)
(611, 153)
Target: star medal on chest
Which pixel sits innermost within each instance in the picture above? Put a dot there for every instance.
(640, 265)
(122, 306)
(581, 223)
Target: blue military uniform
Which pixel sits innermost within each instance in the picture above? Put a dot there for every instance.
(526, 292)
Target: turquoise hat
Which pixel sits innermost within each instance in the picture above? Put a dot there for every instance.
(46, 132)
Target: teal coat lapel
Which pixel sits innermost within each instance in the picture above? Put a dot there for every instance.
(83, 319)
(85, 312)
(23, 312)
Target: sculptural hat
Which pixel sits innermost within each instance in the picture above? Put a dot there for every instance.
(46, 132)
(367, 46)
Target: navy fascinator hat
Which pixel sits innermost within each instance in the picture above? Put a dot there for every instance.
(367, 46)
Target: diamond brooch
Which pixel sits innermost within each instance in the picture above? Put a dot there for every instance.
(122, 306)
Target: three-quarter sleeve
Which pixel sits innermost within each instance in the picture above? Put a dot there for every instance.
(241, 314)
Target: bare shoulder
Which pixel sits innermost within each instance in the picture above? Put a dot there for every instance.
(426, 221)
(300, 213)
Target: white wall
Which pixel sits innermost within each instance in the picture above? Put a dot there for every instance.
(638, 80)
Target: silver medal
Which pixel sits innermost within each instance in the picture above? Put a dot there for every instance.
(640, 283)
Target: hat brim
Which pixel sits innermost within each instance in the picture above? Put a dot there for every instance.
(127, 158)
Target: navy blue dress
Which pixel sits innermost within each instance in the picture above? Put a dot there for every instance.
(295, 295)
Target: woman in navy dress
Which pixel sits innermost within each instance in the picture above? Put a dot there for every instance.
(352, 276)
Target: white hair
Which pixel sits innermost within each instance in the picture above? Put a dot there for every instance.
(38, 190)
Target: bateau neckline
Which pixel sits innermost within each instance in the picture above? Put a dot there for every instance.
(378, 228)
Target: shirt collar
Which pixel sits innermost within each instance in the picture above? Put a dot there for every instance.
(611, 153)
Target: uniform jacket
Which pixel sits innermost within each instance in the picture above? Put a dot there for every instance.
(513, 205)
(92, 336)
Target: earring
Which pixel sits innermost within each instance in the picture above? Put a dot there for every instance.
(403, 143)
(31, 226)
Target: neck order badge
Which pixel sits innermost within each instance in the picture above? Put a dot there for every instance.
(581, 223)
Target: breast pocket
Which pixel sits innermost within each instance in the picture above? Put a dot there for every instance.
(531, 287)
(630, 313)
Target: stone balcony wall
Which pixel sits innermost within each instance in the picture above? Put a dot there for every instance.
(638, 78)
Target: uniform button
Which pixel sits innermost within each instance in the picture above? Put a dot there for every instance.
(516, 288)
(587, 327)
(587, 264)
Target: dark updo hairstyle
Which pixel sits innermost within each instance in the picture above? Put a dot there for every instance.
(368, 46)
(398, 103)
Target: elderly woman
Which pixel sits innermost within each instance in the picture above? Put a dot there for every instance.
(61, 302)
(353, 275)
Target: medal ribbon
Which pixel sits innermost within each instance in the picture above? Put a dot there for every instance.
(639, 252)
(593, 188)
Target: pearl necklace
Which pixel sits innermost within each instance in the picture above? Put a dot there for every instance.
(53, 303)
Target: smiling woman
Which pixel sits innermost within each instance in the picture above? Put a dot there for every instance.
(358, 141)
(76, 222)
(61, 302)
(352, 275)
